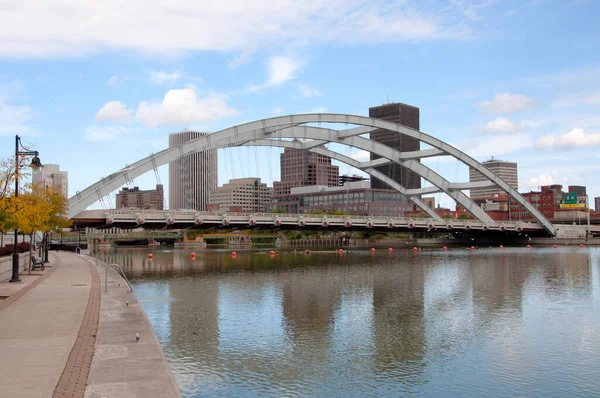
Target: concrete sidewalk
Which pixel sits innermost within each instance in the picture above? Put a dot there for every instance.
(38, 330)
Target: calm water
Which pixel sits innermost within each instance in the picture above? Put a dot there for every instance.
(512, 322)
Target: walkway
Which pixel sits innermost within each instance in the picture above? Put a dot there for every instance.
(39, 329)
(59, 339)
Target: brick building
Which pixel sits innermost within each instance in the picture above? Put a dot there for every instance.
(301, 168)
(134, 198)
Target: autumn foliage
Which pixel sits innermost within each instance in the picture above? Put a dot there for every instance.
(36, 209)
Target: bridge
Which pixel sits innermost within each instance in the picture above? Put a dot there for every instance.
(169, 219)
(280, 132)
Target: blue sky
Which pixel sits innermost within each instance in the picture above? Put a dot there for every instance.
(97, 85)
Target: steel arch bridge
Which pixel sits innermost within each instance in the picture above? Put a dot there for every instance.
(274, 131)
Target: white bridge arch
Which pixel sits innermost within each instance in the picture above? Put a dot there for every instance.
(269, 132)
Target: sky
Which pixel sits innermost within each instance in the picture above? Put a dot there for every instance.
(94, 86)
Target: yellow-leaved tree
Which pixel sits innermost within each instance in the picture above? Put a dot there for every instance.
(40, 209)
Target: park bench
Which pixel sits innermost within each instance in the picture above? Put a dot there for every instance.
(35, 264)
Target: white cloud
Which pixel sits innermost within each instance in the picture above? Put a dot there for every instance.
(162, 27)
(183, 106)
(113, 80)
(577, 100)
(498, 145)
(500, 125)
(307, 91)
(242, 59)
(277, 110)
(507, 103)
(281, 69)
(14, 119)
(576, 138)
(104, 134)
(162, 77)
(361, 155)
(534, 183)
(114, 111)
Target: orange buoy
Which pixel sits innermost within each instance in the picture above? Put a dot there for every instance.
(272, 252)
(373, 250)
(529, 246)
(501, 247)
(472, 247)
(341, 251)
(415, 249)
(306, 251)
(581, 245)
(555, 246)
(149, 255)
(390, 249)
(233, 253)
(444, 248)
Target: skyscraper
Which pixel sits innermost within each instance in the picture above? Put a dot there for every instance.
(191, 177)
(505, 170)
(51, 175)
(405, 115)
(301, 168)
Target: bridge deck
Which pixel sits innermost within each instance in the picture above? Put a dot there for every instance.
(174, 219)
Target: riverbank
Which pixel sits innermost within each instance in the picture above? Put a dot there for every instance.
(123, 365)
(62, 337)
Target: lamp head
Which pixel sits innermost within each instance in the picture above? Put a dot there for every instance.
(35, 162)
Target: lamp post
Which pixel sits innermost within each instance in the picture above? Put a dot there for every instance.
(35, 163)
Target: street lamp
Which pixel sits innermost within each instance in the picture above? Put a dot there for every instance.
(35, 163)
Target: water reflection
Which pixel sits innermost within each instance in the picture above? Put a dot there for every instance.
(489, 322)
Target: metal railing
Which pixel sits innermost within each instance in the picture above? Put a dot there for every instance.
(120, 271)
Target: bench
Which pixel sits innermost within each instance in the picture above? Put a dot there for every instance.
(35, 264)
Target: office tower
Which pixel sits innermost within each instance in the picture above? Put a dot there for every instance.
(301, 168)
(51, 175)
(408, 116)
(503, 169)
(193, 176)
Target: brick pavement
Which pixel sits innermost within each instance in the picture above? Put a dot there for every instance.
(74, 378)
(39, 329)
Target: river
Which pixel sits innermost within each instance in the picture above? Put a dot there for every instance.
(486, 322)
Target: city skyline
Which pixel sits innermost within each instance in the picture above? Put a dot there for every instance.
(485, 75)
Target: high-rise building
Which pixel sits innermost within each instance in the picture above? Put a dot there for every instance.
(191, 177)
(503, 169)
(51, 175)
(134, 198)
(597, 203)
(580, 190)
(249, 194)
(301, 168)
(405, 115)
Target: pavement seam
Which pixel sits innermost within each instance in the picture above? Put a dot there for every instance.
(73, 380)
(20, 293)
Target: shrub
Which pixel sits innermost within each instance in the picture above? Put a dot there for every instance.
(7, 250)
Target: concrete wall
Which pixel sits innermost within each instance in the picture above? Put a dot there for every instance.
(6, 266)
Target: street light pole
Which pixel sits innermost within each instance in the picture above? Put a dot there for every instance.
(35, 163)
(15, 262)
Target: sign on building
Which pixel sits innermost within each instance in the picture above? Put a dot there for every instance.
(570, 198)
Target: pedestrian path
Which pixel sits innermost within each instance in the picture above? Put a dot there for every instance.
(39, 330)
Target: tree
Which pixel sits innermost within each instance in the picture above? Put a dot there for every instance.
(278, 210)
